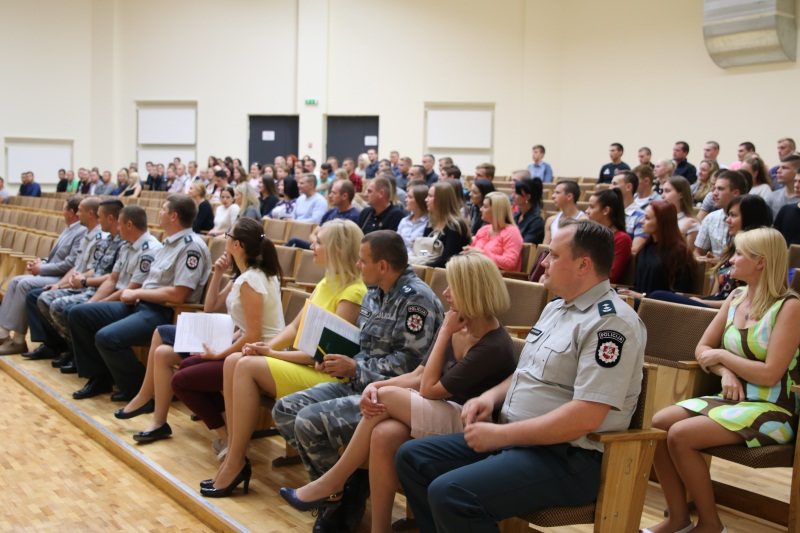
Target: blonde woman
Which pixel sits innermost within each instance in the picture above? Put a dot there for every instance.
(471, 354)
(704, 183)
(204, 220)
(247, 376)
(134, 188)
(677, 191)
(499, 239)
(752, 345)
(245, 197)
(447, 233)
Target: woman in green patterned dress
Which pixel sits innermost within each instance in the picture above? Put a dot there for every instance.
(752, 344)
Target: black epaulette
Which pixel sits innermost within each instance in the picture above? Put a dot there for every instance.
(146, 245)
(187, 239)
(606, 307)
(408, 290)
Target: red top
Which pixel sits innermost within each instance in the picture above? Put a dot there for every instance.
(356, 179)
(622, 256)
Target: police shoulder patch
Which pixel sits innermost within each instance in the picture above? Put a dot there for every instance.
(606, 307)
(192, 259)
(415, 318)
(609, 348)
(145, 262)
(98, 253)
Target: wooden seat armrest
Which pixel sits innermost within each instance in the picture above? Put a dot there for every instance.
(287, 280)
(515, 275)
(518, 331)
(689, 365)
(606, 437)
(186, 308)
(305, 286)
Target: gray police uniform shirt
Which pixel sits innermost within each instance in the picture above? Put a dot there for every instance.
(91, 249)
(135, 260)
(590, 349)
(182, 261)
(65, 251)
(397, 329)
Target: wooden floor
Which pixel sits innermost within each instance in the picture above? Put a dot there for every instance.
(69, 480)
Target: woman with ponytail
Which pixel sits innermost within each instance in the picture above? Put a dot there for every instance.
(253, 300)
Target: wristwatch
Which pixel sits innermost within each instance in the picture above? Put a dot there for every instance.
(83, 282)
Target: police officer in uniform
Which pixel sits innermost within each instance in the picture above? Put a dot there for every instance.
(103, 333)
(580, 371)
(399, 318)
(39, 273)
(90, 271)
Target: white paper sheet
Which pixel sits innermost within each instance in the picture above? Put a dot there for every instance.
(194, 329)
(316, 320)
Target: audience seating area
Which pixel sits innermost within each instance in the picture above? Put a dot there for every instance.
(29, 227)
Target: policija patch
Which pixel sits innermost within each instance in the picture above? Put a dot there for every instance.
(609, 348)
(415, 318)
(192, 260)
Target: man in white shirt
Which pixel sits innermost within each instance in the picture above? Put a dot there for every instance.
(645, 193)
(713, 235)
(310, 206)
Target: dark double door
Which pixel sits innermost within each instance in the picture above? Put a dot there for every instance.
(350, 136)
(272, 136)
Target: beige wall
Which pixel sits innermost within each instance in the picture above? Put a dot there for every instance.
(570, 74)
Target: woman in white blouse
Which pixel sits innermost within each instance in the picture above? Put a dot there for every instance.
(413, 226)
(226, 214)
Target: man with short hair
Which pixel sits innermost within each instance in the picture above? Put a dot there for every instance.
(404, 165)
(627, 182)
(565, 196)
(381, 213)
(787, 221)
(745, 150)
(645, 154)
(29, 187)
(90, 185)
(104, 185)
(310, 206)
(41, 273)
(180, 180)
(485, 171)
(646, 192)
(444, 162)
(62, 180)
(680, 151)
(786, 147)
(428, 161)
(341, 198)
(193, 173)
(416, 176)
(539, 168)
(609, 170)
(713, 235)
(711, 151)
(47, 309)
(394, 159)
(663, 170)
(155, 180)
(372, 167)
(73, 183)
(333, 162)
(579, 372)
(104, 332)
(785, 195)
(349, 165)
(398, 320)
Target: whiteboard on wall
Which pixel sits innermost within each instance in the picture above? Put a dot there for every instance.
(163, 156)
(459, 128)
(167, 124)
(466, 163)
(42, 157)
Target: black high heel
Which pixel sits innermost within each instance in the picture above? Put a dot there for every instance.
(244, 476)
(209, 483)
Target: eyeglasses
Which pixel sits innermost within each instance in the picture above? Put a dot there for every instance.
(228, 235)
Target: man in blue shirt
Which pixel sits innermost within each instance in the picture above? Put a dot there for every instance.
(28, 187)
(540, 169)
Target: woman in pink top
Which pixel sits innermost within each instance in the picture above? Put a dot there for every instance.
(499, 239)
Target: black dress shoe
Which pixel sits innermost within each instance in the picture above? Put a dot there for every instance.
(69, 368)
(161, 432)
(62, 359)
(120, 396)
(149, 407)
(42, 352)
(93, 387)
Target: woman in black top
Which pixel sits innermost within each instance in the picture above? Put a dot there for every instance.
(528, 199)
(480, 188)
(446, 228)
(269, 196)
(205, 216)
(665, 262)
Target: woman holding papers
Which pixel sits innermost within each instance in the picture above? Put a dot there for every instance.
(471, 354)
(253, 300)
(335, 245)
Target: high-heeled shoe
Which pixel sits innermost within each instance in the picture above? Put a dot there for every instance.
(244, 476)
(210, 482)
(290, 495)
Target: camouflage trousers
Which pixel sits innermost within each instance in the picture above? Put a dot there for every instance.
(53, 306)
(317, 422)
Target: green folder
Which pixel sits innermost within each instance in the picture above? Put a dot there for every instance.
(331, 342)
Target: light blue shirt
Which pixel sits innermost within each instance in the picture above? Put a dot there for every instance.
(310, 209)
(542, 170)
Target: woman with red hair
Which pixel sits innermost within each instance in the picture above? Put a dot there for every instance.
(665, 262)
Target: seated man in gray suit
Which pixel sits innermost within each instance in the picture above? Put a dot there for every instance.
(39, 273)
